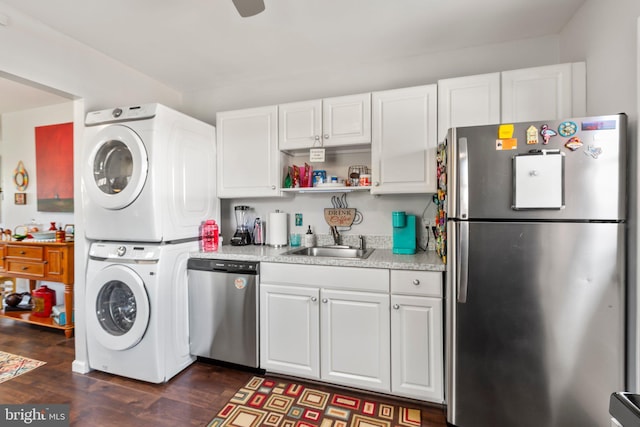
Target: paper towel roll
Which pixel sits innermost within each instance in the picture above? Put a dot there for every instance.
(277, 233)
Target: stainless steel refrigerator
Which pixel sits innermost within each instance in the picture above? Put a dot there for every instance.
(535, 252)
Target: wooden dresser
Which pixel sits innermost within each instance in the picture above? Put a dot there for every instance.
(48, 261)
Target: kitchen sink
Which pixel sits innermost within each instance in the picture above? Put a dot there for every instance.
(332, 251)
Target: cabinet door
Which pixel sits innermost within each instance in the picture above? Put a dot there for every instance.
(417, 365)
(289, 330)
(58, 267)
(354, 339)
(403, 149)
(544, 93)
(468, 101)
(248, 156)
(300, 125)
(346, 120)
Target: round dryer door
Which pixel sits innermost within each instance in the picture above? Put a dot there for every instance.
(116, 169)
(119, 307)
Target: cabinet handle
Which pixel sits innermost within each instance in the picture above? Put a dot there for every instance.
(22, 252)
(314, 299)
(317, 137)
(25, 268)
(273, 187)
(324, 300)
(396, 307)
(376, 184)
(416, 282)
(326, 136)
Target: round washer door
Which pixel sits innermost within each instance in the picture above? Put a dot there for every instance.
(116, 167)
(118, 307)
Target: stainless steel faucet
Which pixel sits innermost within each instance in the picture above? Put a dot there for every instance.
(362, 243)
(335, 234)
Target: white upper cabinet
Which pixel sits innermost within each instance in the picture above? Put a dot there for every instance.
(330, 122)
(529, 94)
(248, 155)
(300, 125)
(403, 148)
(544, 93)
(468, 101)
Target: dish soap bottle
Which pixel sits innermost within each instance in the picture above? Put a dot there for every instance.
(309, 239)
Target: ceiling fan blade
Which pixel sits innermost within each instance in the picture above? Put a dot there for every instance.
(249, 7)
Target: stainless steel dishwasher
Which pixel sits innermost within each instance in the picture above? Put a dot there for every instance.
(223, 310)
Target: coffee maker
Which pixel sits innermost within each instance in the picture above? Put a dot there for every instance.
(242, 236)
(404, 233)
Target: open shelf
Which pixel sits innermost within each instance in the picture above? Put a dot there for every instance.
(327, 189)
(27, 316)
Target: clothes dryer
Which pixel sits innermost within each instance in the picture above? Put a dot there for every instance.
(137, 309)
(148, 174)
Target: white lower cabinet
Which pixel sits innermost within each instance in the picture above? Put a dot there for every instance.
(417, 356)
(354, 339)
(290, 330)
(416, 347)
(373, 329)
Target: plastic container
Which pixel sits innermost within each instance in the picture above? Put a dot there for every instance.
(209, 236)
(43, 300)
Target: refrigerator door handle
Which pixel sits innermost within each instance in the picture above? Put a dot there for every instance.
(463, 261)
(463, 183)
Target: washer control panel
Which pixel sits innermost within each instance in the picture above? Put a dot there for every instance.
(123, 252)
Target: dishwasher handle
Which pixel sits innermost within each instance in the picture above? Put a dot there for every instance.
(224, 266)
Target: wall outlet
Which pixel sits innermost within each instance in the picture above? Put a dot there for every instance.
(426, 223)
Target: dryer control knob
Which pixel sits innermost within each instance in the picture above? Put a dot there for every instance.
(116, 112)
(121, 250)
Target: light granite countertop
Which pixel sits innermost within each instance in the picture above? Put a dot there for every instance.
(380, 258)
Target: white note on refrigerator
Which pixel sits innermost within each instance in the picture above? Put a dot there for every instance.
(538, 181)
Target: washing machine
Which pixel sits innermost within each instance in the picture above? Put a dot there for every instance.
(137, 309)
(148, 174)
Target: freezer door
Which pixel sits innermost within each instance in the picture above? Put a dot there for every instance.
(593, 181)
(538, 339)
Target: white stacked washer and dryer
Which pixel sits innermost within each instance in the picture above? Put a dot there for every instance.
(148, 182)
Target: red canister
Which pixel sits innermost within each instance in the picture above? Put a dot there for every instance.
(43, 300)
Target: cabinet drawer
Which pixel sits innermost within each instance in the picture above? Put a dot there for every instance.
(35, 269)
(329, 277)
(26, 252)
(428, 283)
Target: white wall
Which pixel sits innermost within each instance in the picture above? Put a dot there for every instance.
(340, 79)
(17, 139)
(18, 144)
(605, 34)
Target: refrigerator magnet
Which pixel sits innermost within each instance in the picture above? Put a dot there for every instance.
(567, 129)
(532, 135)
(506, 144)
(505, 131)
(547, 133)
(574, 143)
(593, 151)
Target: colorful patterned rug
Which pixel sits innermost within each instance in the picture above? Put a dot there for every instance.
(274, 403)
(12, 366)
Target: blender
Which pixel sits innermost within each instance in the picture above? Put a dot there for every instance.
(242, 235)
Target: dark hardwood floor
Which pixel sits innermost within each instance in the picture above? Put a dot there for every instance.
(192, 398)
